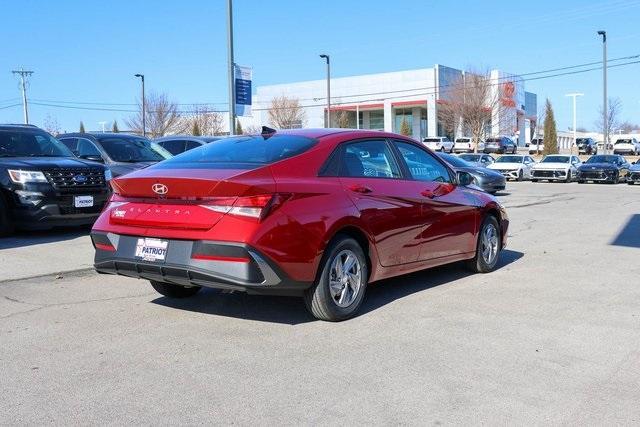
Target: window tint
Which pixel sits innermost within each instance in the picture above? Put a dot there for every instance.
(87, 148)
(368, 159)
(174, 146)
(122, 149)
(422, 165)
(190, 145)
(242, 152)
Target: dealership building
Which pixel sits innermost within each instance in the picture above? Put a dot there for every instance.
(383, 101)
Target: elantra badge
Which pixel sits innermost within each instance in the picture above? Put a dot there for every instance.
(160, 189)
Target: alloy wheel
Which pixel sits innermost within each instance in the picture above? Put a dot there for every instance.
(489, 244)
(345, 278)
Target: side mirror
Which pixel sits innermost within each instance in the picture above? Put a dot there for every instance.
(93, 158)
(464, 178)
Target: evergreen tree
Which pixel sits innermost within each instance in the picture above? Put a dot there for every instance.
(550, 133)
(82, 127)
(195, 130)
(405, 129)
(239, 130)
(114, 127)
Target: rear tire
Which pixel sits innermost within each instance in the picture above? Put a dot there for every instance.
(6, 225)
(337, 295)
(568, 178)
(488, 247)
(534, 180)
(174, 291)
(520, 176)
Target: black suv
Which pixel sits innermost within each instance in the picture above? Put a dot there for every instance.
(120, 152)
(586, 146)
(43, 185)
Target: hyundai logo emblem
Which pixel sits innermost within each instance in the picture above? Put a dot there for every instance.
(160, 189)
(79, 179)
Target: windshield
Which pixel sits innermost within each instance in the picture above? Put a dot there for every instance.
(431, 140)
(454, 161)
(471, 157)
(510, 159)
(132, 150)
(556, 159)
(582, 140)
(242, 152)
(603, 159)
(623, 141)
(494, 139)
(536, 141)
(31, 143)
(463, 140)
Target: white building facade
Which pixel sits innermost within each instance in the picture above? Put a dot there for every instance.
(383, 101)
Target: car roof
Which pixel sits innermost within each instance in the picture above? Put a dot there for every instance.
(96, 135)
(8, 126)
(203, 138)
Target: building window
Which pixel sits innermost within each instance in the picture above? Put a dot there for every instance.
(423, 123)
(376, 120)
(402, 115)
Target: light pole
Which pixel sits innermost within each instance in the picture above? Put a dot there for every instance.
(144, 113)
(574, 96)
(326, 57)
(605, 123)
(231, 66)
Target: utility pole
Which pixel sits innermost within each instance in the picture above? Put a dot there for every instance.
(23, 85)
(574, 96)
(326, 57)
(144, 107)
(605, 112)
(231, 65)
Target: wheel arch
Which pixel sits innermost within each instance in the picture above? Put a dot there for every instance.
(363, 238)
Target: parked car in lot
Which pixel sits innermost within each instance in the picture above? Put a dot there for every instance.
(634, 173)
(516, 167)
(556, 167)
(177, 144)
(611, 168)
(488, 180)
(586, 146)
(466, 145)
(536, 146)
(500, 145)
(318, 213)
(120, 152)
(43, 185)
(626, 146)
(439, 143)
(480, 160)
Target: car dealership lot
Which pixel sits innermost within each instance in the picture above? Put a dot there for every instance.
(551, 337)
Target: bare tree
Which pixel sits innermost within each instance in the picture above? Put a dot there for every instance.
(343, 119)
(286, 113)
(162, 116)
(208, 121)
(252, 130)
(614, 108)
(628, 127)
(473, 102)
(51, 125)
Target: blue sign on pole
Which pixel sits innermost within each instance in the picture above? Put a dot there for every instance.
(243, 90)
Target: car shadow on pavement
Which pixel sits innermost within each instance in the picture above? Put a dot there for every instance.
(629, 235)
(30, 238)
(291, 310)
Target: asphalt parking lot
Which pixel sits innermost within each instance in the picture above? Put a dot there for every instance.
(551, 337)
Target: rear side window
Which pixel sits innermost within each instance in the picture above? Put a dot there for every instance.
(174, 146)
(189, 145)
(243, 152)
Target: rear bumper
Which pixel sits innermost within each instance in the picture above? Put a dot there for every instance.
(220, 265)
(496, 150)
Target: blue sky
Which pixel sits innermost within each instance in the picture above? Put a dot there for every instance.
(88, 51)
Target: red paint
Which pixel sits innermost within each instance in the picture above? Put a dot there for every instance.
(409, 225)
(406, 103)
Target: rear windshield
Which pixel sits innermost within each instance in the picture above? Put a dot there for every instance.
(30, 143)
(431, 140)
(463, 140)
(623, 141)
(242, 152)
(582, 140)
(494, 139)
(537, 141)
(133, 150)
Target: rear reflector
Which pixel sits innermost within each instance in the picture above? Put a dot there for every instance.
(205, 257)
(105, 247)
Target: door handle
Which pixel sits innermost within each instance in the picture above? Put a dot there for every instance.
(359, 188)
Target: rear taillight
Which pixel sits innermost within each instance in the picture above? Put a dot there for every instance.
(257, 207)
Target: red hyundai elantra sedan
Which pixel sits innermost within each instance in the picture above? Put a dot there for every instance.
(314, 213)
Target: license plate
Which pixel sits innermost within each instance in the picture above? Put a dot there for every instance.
(151, 249)
(83, 201)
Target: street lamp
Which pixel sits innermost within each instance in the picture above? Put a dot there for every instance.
(326, 57)
(574, 96)
(231, 69)
(605, 124)
(144, 118)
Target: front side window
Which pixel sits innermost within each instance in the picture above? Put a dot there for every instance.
(422, 165)
(368, 159)
(29, 143)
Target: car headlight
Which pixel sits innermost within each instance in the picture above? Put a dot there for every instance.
(108, 176)
(22, 176)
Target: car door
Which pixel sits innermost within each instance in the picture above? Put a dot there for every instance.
(390, 209)
(449, 212)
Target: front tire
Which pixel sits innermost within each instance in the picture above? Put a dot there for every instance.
(6, 226)
(488, 247)
(340, 286)
(174, 291)
(520, 176)
(569, 178)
